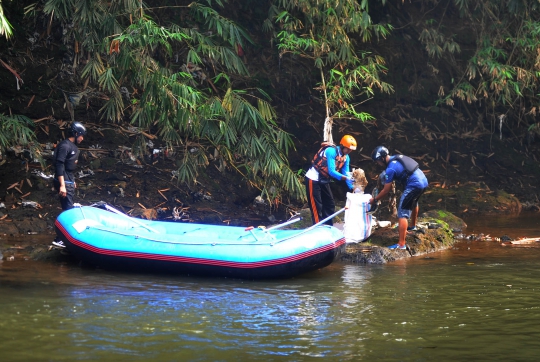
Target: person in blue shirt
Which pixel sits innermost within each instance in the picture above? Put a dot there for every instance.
(330, 162)
(405, 171)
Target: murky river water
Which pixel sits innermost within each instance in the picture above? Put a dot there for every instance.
(478, 301)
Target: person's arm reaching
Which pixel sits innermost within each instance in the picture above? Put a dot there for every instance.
(383, 193)
(331, 154)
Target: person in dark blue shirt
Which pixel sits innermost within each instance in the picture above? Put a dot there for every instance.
(405, 171)
(65, 159)
(330, 162)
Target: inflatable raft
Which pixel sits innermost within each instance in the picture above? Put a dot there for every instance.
(112, 240)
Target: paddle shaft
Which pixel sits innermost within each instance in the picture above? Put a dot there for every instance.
(328, 218)
(284, 224)
(112, 209)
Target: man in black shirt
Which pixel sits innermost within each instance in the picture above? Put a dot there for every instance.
(64, 163)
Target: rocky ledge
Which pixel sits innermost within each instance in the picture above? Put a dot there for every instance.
(422, 241)
(435, 232)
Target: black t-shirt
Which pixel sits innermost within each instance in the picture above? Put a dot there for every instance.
(65, 160)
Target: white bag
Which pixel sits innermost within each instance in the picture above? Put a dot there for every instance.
(357, 226)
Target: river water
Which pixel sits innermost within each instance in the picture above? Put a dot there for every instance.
(477, 301)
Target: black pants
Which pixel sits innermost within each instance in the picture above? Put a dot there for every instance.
(320, 200)
(66, 202)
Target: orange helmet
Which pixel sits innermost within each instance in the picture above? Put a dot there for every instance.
(348, 141)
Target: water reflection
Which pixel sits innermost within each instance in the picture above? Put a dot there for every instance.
(423, 309)
(477, 301)
(526, 224)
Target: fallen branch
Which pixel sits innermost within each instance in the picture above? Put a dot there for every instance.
(17, 76)
(163, 195)
(31, 100)
(42, 119)
(524, 241)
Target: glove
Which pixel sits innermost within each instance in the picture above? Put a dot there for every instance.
(349, 183)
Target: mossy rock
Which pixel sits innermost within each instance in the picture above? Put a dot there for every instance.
(455, 223)
(472, 197)
(95, 164)
(108, 162)
(423, 241)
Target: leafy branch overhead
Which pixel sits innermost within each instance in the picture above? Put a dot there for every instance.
(17, 130)
(175, 79)
(181, 70)
(329, 32)
(501, 68)
(5, 27)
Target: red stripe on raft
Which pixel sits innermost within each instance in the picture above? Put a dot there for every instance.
(180, 259)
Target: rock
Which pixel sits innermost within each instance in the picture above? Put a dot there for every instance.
(453, 221)
(375, 249)
(212, 219)
(109, 162)
(8, 228)
(149, 214)
(9, 200)
(31, 225)
(472, 197)
(116, 177)
(95, 164)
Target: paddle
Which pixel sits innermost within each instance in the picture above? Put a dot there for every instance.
(326, 219)
(251, 228)
(112, 209)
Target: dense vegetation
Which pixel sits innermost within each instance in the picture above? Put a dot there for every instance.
(190, 71)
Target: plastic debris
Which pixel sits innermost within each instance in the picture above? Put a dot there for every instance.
(180, 214)
(384, 224)
(33, 204)
(42, 175)
(259, 201)
(85, 173)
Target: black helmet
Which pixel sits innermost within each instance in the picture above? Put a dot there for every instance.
(379, 153)
(77, 129)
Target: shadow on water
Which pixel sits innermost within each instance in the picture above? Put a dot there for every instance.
(515, 226)
(477, 301)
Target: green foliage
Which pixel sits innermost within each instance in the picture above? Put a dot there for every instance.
(16, 130)
(326, 32)
(179, 83)
(437, 43)
(5, 27)
(504, 68)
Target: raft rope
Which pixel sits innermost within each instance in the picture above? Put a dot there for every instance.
(270, 242)
(112, 209)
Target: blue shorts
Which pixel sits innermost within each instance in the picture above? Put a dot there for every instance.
(409, 201)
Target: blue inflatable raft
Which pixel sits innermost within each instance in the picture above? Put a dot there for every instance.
(112, 240)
